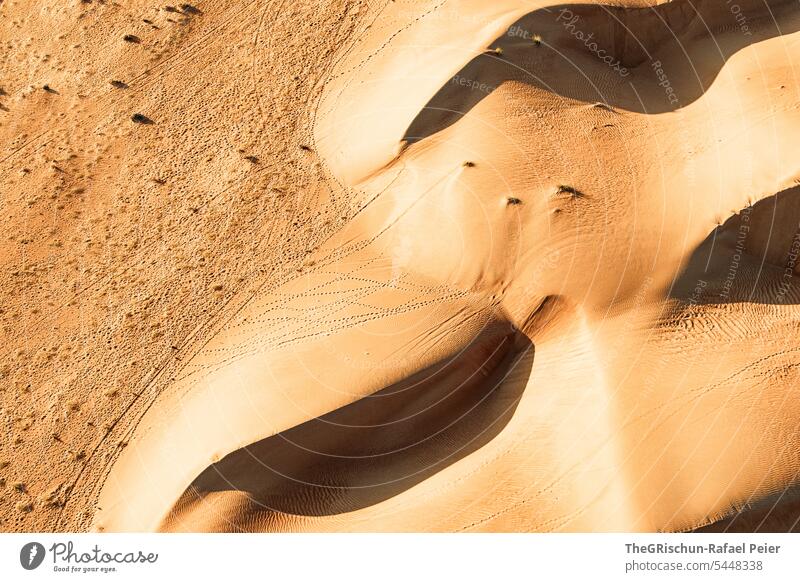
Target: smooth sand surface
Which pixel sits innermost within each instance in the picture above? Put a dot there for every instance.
(401, 266)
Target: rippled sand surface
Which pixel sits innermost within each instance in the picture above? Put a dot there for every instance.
(400, 266)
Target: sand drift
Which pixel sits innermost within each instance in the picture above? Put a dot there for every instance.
(536, 269)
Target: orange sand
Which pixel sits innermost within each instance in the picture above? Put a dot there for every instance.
(446, 265)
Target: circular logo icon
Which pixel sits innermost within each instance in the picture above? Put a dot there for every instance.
(31, 555)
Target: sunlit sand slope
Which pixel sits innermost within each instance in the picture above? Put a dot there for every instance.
(414, 266)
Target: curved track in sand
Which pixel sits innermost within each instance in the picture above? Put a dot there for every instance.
(473, 267)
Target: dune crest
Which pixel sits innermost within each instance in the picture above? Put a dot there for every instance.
(568, 205)
(449, 265)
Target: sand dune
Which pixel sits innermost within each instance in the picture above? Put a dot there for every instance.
(447, 266)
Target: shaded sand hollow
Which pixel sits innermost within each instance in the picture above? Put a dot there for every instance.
(447, 265)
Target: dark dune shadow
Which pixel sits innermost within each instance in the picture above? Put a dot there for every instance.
(776, 513)
(754, 257)
(379, 446)
(644, 60)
